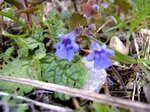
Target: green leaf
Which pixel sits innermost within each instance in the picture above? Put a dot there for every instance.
(75, 20)
(37, 33)
(23, 68)
(141, 60)
(139, 17)
(105, 108)
(63, 72)
(55, 26)
(123, 58)
(41, 52)
(7, 55)
(11, 16)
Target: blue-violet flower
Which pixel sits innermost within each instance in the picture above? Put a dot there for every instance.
(100, 56)
(66, 47)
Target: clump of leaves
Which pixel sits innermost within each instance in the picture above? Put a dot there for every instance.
(63, 72)
(55, 26)
(24, 68)
(33, 62)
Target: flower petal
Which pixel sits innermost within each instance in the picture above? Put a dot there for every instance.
(95, 7)
(109, 52)
(90, 57)
(102, 63)
(95, 46)
(70, 54)
(71, 35)
(97, 64)
(106, 63)
(75, 46)
(57, 45)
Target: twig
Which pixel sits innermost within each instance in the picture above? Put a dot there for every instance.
(101, 98)
(120, 78)
(135, 86)
(75, 103)
(75, 5)
(28, 15)
(106, 90)
(43, 105)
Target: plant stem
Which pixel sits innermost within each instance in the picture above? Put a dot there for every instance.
(28, 15)
(10, 16)
(15, 36)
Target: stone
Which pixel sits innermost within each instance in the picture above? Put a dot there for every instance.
(96, 78)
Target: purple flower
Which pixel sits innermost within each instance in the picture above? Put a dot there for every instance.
(100, 56)
(95, 7)
(66, 47)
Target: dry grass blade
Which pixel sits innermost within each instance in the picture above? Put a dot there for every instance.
(80, 93)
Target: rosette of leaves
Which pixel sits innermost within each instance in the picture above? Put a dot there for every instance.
(63, 72)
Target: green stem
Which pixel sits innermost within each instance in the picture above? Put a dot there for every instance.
(15, 36)
(10, 16)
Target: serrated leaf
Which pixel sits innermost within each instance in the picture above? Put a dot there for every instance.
(63, 72)
(75, 20)
(22, 45)
(37, 33)
(23, 68)
(7, 55)
(55, 26)
(40, 53)
(32, 43)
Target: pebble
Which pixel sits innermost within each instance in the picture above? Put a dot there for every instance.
(96, 78)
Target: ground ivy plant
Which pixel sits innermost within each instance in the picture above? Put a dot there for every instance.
(29, 58)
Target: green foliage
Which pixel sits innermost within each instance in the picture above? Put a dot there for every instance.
(10, 16)
(32, 60)
(104, 108)
(139, 17)
(26, 65)
(75, 20)
(63, 72)
(139, 5)
(23, 68)
(32, 44)
(55, 26)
